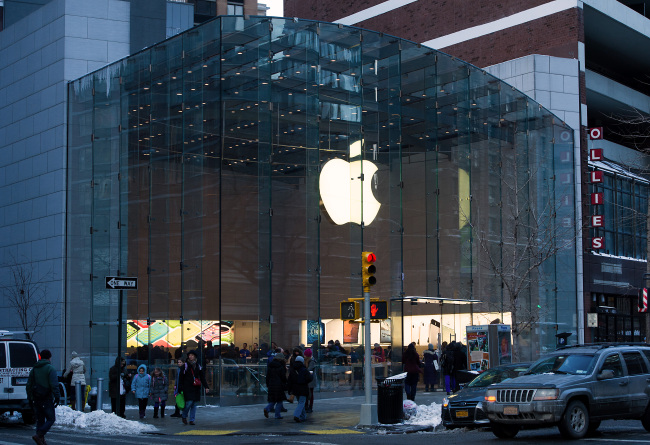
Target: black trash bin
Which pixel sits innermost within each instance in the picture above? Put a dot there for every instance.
(390, 401)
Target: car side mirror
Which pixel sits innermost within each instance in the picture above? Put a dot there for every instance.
(606, 374)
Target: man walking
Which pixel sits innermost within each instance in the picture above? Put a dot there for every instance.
(43, 393)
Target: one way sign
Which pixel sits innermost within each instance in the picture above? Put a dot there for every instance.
(122, 283)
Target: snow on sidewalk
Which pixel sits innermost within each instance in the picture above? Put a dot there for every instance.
(427, 415)
(98, 422)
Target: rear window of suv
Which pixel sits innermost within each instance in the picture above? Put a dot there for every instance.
(22, 355)
(564, 364)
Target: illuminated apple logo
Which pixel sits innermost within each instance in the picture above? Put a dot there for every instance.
(342, 193)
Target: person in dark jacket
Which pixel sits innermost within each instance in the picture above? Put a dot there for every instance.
(192, 383)
(299, 378)
(460, 363)
(276, 383)
(412, 362)
(159, 390)
(43, 394)
(119, 384)
(430, 359)
(447, 365)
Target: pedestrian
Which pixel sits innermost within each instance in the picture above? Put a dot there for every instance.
(177, 410)
(119, 384)
(412, 368)
(276, 383)
(43, 394)
(447, 366)
(310, 364)
(141, 387)
(299, 378)
(159, 390)
(78, 371)
(378, 357)
(297, 352)
(431, 366)
(192, 384)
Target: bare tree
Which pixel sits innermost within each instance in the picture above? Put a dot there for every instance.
(530, 238)
(27, 295)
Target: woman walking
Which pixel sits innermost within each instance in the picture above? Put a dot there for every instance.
(119, 384)
(431, 366)
(159, 390)
(310, 364)
(177, 410)
(78, 371)
(192, 384)
(276, 383)
(141, 387)
(299, 378)
(412, 363)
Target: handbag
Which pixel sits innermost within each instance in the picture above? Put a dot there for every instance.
(180, 400)
(196, 381)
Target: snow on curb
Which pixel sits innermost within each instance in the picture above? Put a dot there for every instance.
(98, 422)
(427, 415)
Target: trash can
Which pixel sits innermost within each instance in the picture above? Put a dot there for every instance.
(390, 400)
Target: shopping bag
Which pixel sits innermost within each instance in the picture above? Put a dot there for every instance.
(180, 400)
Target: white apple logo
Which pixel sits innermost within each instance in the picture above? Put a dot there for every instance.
(341, 191)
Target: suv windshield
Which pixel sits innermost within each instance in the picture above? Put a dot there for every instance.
(564, 364)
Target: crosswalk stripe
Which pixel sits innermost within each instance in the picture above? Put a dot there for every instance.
(207, 432)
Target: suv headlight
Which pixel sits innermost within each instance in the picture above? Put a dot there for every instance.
(491, 395)
(445, 402)
(546, 394)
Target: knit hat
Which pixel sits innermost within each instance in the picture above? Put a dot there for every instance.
(74, 354)
(430, 347)
(300, 358)
(279, 356)
(308, 352)
(193, 352)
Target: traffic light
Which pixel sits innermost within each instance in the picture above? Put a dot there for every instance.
(368, 270)
(378, 310)
(350, 310)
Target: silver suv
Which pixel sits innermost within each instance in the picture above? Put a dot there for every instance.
(574, 388)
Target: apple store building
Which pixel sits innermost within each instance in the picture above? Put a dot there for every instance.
(223, 184)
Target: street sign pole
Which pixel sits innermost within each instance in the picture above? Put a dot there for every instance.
(119, 325)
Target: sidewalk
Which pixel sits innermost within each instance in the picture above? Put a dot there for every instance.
(337, 415)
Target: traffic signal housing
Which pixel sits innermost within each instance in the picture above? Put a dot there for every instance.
(378, 310)
(350, 310)
(368, 270)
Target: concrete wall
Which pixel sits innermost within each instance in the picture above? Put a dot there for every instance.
(39, 54)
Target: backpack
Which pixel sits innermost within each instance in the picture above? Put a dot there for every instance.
(447, 362)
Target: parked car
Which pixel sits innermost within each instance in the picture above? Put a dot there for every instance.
(465, 408)
(574, 388)
(17, 358)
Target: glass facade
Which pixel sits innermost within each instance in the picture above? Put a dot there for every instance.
(239, 169)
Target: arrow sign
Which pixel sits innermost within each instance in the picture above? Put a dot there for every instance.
(122, 283)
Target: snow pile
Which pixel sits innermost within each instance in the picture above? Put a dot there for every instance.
(426, 415)
(98, 422)
(10, 417)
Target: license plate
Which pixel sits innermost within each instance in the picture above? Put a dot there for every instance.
(462, 413)
(21, 380)
(510, 410)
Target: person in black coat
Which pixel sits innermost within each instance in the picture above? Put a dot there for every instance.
(191, 382)
(119, 385)
(276, 383)
(299, 379)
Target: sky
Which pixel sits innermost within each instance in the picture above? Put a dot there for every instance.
(277, 7)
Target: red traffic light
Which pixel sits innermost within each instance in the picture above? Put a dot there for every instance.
(371, 257)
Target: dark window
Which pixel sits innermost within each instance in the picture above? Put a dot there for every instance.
(22, 355)
(3, 356)
(635, 364)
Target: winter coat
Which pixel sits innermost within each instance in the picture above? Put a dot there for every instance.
(43, 374)
(299, 379)
(114, 375)
(141, 384)
(311, 366)
(78, 370)
(186, 381)
(159, 387)
(430, 372)
(411, 362)
(460, 359)
(276, 381)
(447, 361)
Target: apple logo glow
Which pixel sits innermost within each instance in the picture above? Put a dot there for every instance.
(341, 189)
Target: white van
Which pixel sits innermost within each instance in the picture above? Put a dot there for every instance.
(17, 358)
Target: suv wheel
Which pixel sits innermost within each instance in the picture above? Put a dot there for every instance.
(575, 422)
(504, 431)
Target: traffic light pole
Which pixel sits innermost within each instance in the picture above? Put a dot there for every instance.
(368, 409)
